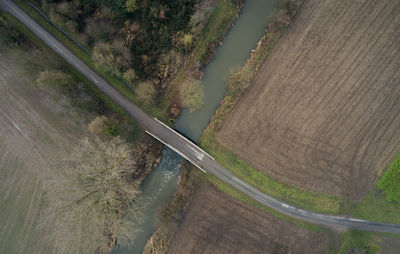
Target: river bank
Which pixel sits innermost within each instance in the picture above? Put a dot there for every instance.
(215, 34)
(176, 210)
(161, 184)
(239, 81)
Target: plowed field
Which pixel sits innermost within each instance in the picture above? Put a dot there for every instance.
(217, 223)
(34, 130)
(323, 112)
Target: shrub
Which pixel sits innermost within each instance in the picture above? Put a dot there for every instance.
(187, 40)
(200, 16)
(113, 130)
(98, 30)
(131, 5)
(192, 95)
(389, 182)
(10, 37)
(239, 79)
(130, 76)
(115, 57)
(55, 80)
(98, 125)
(146, 92)
(87, 201)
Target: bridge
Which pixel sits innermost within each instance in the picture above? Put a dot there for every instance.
(185, 147)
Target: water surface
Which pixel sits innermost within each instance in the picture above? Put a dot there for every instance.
(161, 184)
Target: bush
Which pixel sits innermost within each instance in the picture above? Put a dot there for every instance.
(98, 125)
(187, 40)
(389, 182)
(113, 130)
(86, 203)
(98, 30)
(239, 79)
(131, 5)
(10, 37)
(130, 76)
(146, 92)
(192, 95)
(54, 80)
(115, 57)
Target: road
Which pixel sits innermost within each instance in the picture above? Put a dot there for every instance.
(186, 148)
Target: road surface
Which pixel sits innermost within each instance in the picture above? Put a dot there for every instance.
(186, 148)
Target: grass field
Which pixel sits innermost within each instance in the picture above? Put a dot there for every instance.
(320, 119)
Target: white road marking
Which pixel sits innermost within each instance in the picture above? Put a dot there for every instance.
(176, 150)
(356, 220)
(191, 143)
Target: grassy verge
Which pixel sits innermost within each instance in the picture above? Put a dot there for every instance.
(381, 204)
(239, 195)
(306, 199)
(190, 180)
(108, 76)
(355, 241)
(389, 182)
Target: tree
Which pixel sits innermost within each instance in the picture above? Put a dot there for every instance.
(115, 57)
(192, 95)
(131, 5)
(87, 201)
(146, 92)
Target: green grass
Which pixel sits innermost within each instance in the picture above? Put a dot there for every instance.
(306, 199)
(379, 205)
(67, 42)
(375, 207)
(389, 182)
(357, 239)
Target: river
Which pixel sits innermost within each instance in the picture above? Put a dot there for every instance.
(160, 186)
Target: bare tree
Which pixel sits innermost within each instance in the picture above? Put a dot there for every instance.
(86, 203)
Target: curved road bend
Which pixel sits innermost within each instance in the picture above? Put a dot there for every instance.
(186, 148)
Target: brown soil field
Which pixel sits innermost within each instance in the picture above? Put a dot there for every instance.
(217, 223)
(34, 130)
(323, 112)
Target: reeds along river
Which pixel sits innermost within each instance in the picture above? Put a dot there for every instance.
(160, 186)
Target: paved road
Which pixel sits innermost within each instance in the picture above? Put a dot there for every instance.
(186, 148)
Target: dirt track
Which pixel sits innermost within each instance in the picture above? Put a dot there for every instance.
(218, 223)
(323, 113)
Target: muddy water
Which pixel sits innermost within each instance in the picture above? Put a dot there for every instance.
(161, 184)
